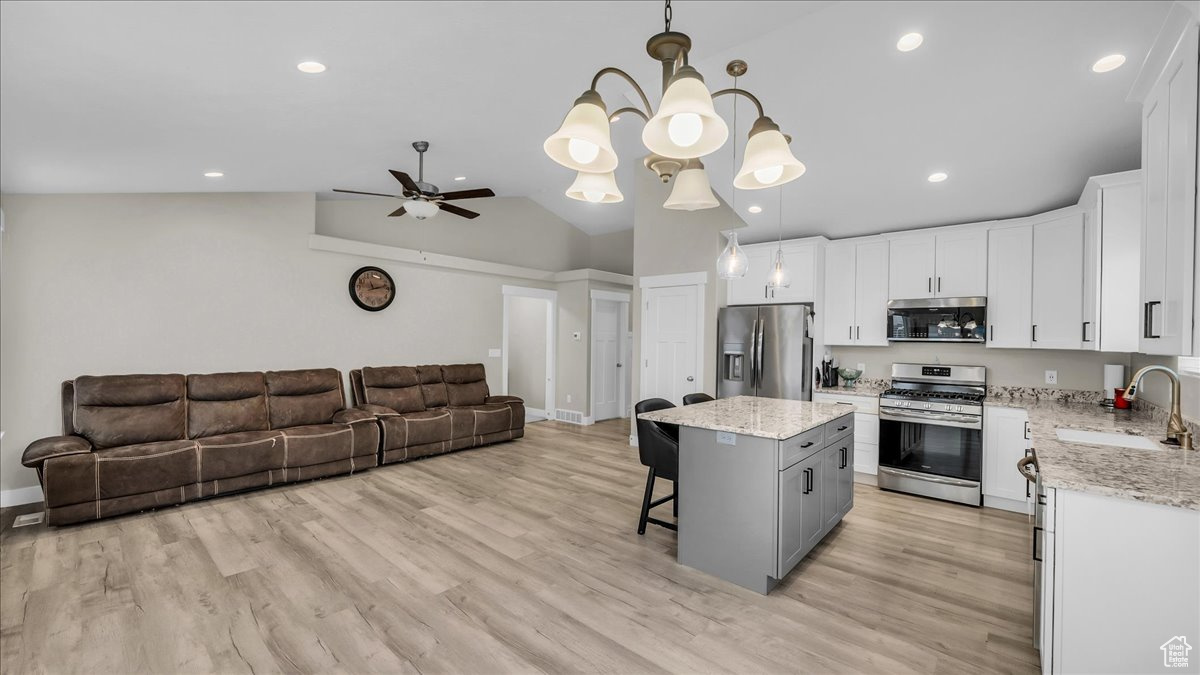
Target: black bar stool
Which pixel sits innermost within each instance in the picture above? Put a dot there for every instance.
(698, 397)
(658, 445)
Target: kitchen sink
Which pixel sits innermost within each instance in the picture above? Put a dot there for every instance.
(1102, 438)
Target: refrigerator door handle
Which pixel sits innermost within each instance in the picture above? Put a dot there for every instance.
(754, 354)
(758, 356)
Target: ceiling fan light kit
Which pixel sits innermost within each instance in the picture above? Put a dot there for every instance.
(685, 128)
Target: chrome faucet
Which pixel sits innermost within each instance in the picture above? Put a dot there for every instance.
(1177, 434)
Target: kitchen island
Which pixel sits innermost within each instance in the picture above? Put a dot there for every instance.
(761, 482)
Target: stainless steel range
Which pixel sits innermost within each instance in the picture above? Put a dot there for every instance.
(931, 431)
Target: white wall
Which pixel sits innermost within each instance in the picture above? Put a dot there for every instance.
(527, 349)
(194, 283)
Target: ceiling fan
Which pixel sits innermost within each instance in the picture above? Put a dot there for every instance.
(423, 200)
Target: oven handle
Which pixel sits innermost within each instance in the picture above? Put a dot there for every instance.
(929, 478)
(936, 419)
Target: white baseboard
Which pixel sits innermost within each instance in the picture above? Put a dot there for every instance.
(1014, 505)
(19, 496)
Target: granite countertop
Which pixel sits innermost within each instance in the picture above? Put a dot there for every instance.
(1169, 476)
(869, 390)
(753, 416)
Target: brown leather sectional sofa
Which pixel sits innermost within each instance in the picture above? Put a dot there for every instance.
(134, 442)
(426, 410)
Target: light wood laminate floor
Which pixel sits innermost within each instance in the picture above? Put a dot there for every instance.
(520, 557)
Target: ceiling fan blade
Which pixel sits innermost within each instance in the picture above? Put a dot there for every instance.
(467, 194)
(376, 194)
(405, 180)
(457, 210)
(398, 212)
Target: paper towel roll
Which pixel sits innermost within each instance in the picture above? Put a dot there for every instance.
(1114, 377)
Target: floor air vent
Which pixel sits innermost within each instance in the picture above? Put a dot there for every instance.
(572, 416)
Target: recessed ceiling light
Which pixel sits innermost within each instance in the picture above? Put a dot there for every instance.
(909, 41)
(311, 67)
(213, 174)
(755, 209)
(938, 177)
(460, 178)
(1110, 62)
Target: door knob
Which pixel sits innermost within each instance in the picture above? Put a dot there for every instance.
(691, 379)
(618, 365)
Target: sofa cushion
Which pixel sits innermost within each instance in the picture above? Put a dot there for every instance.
(433, 389)
(145, 467)
(318, 444)
(416, 428)
(484, 419)
(225, 403)
(395, 387)
(115, 410)
(239, 454)
(303, 397)
(466, 384)
(517, 404)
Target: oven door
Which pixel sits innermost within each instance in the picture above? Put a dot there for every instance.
(939, 444)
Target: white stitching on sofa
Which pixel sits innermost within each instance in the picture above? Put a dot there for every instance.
(240, 445)
(331, 433)
(161, 454)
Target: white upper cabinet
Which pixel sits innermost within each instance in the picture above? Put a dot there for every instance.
(961, 270)
(1112, 262)
(856, 292)
(1010, 286)
(800, 257)
(948, 264)
(1057, 307)
(1169, 124)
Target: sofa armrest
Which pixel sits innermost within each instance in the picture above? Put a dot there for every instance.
(377, 410)
(353, 416)
(504, 399)
(55, 446)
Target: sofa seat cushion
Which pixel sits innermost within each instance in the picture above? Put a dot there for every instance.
(415, 428)
(478, 420)
(517, 404)
(240, 454)
(318, 444)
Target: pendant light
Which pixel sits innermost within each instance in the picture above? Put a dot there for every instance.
(768, 161)
(597, 188)
(691, 191)
(733, 263)
(583, 140)
(779, 276)
(686, 124)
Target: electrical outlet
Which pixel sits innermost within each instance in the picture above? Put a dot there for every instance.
(1051, 377)
(494, 353)
(568, 398)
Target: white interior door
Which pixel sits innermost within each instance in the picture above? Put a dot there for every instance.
(671, 342)
(606, 359)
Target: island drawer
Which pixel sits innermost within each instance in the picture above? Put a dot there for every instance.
(839, 428)
(801, 446)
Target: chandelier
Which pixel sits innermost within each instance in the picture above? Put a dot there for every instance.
(685, 128)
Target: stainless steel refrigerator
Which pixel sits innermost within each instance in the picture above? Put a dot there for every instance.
(765, 351)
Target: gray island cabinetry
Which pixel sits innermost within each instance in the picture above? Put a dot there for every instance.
(761, 482)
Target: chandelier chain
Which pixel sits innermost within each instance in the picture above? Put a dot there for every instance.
(734, 167)
(667, 16)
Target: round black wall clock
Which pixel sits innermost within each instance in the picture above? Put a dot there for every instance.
(372, 288)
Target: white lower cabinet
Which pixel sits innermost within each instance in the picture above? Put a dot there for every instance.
(866, 428)
(1005, 442)
(1118, 583)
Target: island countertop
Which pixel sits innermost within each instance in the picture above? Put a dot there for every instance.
(772, 418)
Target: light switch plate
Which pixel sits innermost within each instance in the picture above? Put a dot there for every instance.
(1051, 377)
(494, 353)
(726, 438)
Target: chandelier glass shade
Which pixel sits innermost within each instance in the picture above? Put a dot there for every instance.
(597, 188)
(732, 263)
(583, 140)
(768, 161)
(691, 191)
(686, 125)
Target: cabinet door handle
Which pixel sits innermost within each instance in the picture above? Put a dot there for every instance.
(1027, 431)
(1148, 321)
(991, 333)
(766, 289)
(806, 483)
(843, 453)
(1036, 530)
(806, 445)
(858, 333)
(1085, 325)
(850, 332)
(1035, 332)
(843, 428)
(929, 283)
(939, 284)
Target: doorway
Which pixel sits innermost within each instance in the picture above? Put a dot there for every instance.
(672, 336)
(610, 372)
(527, 363)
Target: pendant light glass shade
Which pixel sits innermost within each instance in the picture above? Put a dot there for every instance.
(691, 191)
(779, 276)
(597, 188)
(583, 141)
(421, 209)
(768, 161)
(732, 263)
(686, 125)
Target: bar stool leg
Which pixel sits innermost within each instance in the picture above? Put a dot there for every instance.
(646, 502)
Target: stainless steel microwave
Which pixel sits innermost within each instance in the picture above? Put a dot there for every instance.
(937, 320)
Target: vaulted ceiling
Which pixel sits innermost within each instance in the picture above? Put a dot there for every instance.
(147, 97)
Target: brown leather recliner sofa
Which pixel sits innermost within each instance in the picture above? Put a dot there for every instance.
(133, 442)
(426, 410)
